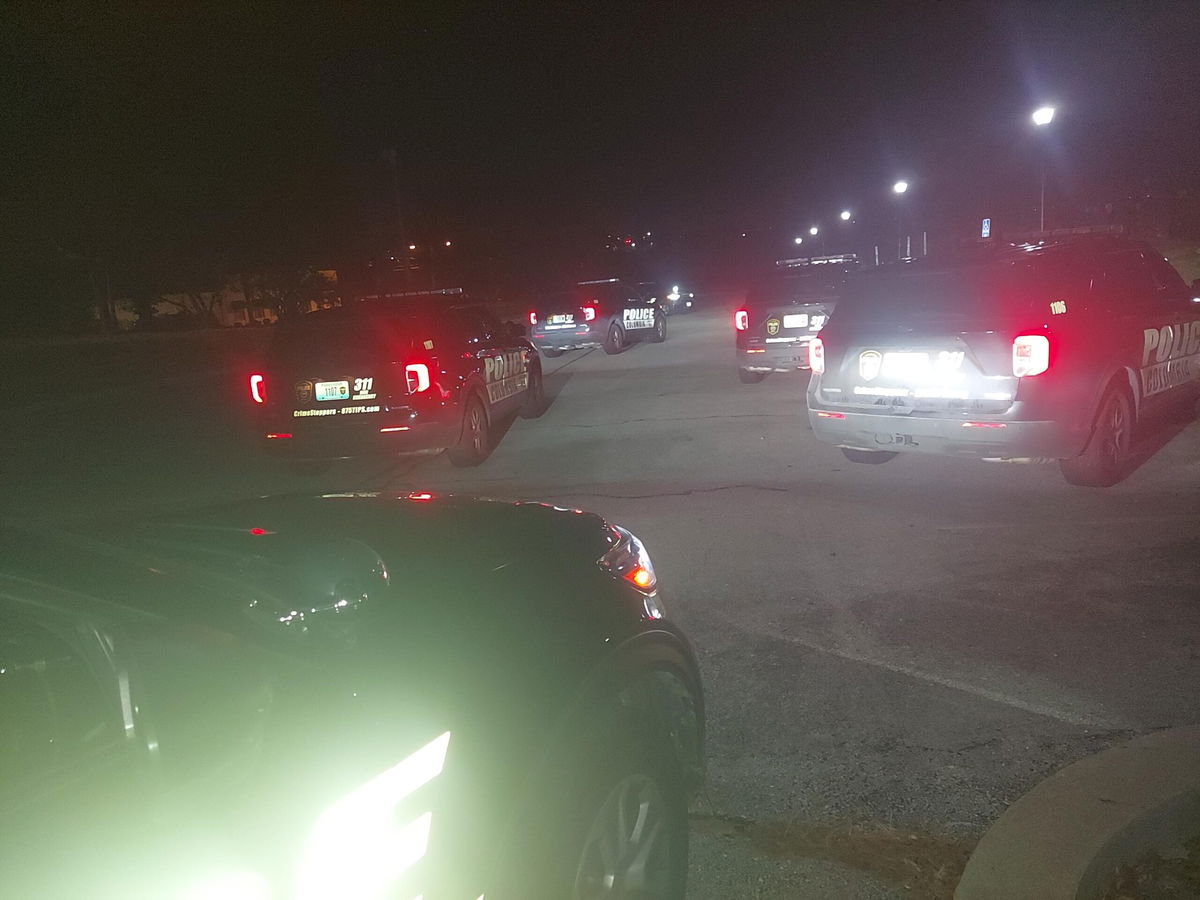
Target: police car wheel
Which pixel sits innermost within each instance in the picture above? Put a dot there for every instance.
(745, 376)
(660, 331)
(1104, 460)
(535, 395)
(474, 444)
(551, 352)
(868, 457)
(615, 340)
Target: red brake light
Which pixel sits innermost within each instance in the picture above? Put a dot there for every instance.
(1030, 354)
(258, 388)
(816, 355)
(741, 320)
(279, 436)
(417, 377)
(532, 318)
(589, 313)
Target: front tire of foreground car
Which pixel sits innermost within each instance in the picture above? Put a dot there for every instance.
(868, 457)
(617, 826)
(745, 376)
(660, 331)
(1104, 461)
(474, 444)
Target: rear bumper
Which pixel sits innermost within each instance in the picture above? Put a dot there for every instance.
(567, 339)
(774, 357)
(995, 437)
(408, 431)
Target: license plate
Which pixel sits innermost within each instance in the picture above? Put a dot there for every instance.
(905, 365)
(798, 320)
(332, 390)
(562, 320)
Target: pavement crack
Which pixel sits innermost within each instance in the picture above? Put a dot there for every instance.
(687, 493)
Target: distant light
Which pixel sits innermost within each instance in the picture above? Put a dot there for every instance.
(900, 187)
(647, 234)
(813, 231)
(1043, 115)
(447, 243)
(279, 435)
(412, 246)
(743, 234)
(675, 289)
(799, 240)
(845, 215)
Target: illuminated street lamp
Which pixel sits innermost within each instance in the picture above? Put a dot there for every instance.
(845, 215)
(447, 243)
(900, 188)
(1043, 116)
(799, 240)
(813, 231)
(412, 246)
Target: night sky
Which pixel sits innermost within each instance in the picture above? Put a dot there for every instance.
(263, 128)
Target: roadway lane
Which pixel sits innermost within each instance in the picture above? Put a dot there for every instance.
(892, 653)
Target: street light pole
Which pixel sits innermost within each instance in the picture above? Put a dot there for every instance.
(1043, 116)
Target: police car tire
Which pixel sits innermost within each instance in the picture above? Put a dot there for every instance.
(1105, 460)
(615, 341)
(660, 331)
(868, 457)
(535, 395)
(468, 452)
(551, 352)
(745, 376)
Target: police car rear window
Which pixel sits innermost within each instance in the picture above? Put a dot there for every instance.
(967, 293)
(362, 324)
(787, 290)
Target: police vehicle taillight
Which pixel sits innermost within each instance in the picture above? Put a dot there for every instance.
(1030, 354)
(589, 313)
(533, 318)
(741, 320)
(816, 355)
(417, 377)
(258, 388)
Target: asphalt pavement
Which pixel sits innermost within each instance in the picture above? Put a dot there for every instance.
(892, 654)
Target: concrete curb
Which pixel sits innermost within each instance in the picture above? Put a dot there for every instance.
(1065, 838)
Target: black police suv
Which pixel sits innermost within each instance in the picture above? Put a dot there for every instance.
(606, 313)
(395, 372)
(1046, 350)
(784, 312)
(347, 696)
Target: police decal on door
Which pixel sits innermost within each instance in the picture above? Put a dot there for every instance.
(506, 374)
(638, 317)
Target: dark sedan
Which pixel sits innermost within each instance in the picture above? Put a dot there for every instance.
(350, 696)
